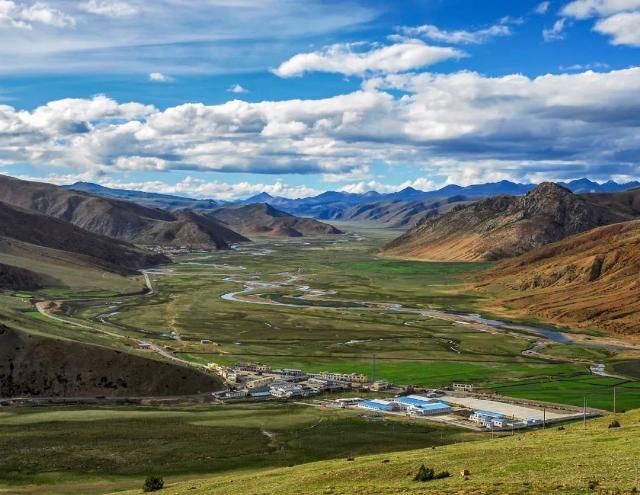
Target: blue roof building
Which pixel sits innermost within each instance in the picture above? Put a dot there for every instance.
(415, 404)
(377, 405)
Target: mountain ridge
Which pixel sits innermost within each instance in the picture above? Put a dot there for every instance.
(119, 219)
(503, 226)
(262, 219)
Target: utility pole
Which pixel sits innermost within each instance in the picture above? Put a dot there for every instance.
(584, 412)
(614, 401)
(373, 367)
(544, 418)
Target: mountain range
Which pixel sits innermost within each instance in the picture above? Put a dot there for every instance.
(404, 208)
(409, 206)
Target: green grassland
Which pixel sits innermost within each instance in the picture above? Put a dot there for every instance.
(93, 450)
(563, 461)
(597, 390)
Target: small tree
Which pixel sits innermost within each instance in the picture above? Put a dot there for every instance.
(153, 484)
(424, 474)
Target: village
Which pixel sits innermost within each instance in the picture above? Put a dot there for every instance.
(458, 405)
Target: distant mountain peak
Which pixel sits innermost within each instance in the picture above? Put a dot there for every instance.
(549, 188)
(259, 198)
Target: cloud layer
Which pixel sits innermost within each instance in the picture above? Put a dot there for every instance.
(462, 125)
(169, 36)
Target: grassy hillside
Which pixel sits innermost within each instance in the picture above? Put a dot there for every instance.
(566, 461)
(102, 449)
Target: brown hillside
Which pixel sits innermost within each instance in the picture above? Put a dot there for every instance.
(40, 230)
(265, 220)
(31, 365)
(116, 218)
(400, 213)
(503, 226)
(587, 280)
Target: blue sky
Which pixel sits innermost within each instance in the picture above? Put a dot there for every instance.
(224, 98)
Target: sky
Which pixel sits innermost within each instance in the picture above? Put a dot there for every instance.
(228, 98)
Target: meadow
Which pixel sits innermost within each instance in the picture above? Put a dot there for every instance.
(93, 450)
(574, 459)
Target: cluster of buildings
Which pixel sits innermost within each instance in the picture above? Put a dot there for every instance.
(255, 380)
(488, 419)
(413, 405)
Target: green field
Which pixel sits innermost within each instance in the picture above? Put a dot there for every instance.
(92, 450)
(597, 390)
(574, 460)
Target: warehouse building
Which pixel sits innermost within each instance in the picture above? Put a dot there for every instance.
(379, 405)
(422, 406)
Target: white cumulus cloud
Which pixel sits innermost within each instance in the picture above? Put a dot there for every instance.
(20, 15)
(237, 89)
(460, 36)
(623, 28)
(462, 125)
(618, 19)
(160, 77)
(350, 58)
(583, 9)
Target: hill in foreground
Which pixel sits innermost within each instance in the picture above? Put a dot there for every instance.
(261, 219)
(587, 280)
(118, 219)
(503, 226)
(573, 460)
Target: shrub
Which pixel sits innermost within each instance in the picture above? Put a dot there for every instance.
(428, 474)
(593, 485)
(153, 484)
(424, 474)
(614, 424)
